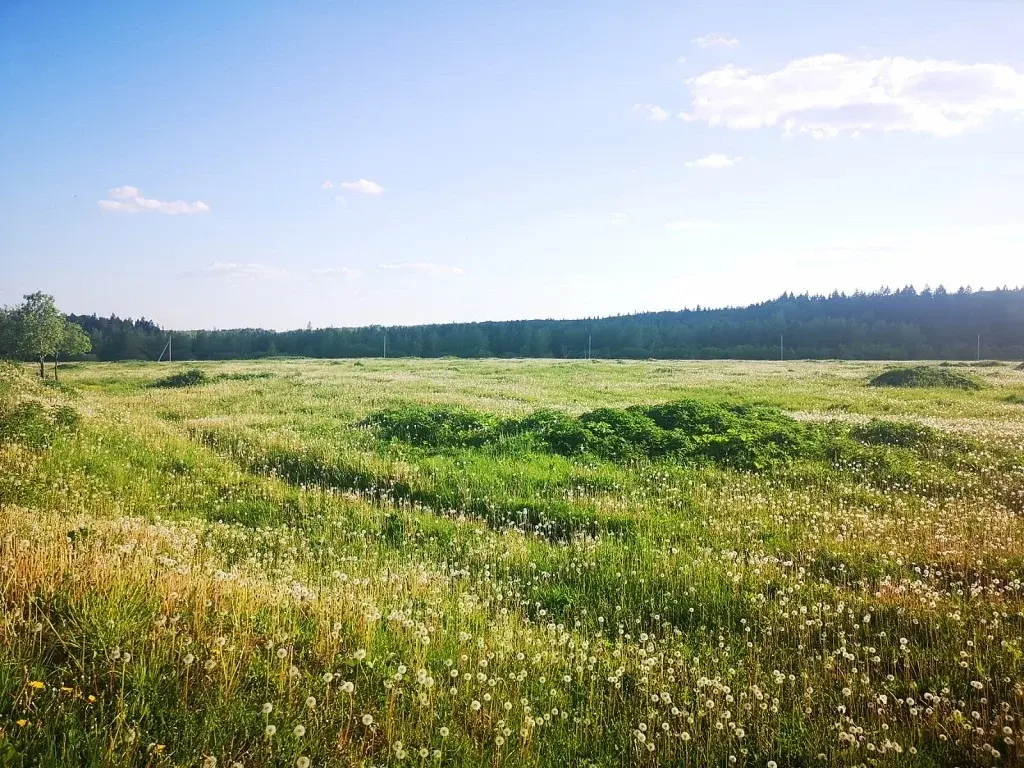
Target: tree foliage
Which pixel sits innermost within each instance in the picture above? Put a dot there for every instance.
(37, 330)
(885, 325)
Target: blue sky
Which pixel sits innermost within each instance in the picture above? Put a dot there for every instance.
(277, 164)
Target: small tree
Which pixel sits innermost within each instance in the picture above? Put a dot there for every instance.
(36, 330)
(73, 341)
(39, 328)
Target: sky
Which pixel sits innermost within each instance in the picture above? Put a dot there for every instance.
(260, 164)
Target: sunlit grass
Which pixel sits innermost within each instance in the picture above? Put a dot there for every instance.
(239, 572)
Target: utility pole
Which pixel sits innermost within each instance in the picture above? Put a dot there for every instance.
(979, 346)
(782, 349)
(590, 338)
(385, 343)
(170, 358)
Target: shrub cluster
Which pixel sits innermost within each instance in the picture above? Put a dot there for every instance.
(926, 376)
(193, 377)
(34, 425)
(746, 437)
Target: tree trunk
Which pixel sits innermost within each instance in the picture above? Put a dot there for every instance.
(42, 370)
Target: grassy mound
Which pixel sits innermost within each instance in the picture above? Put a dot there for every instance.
(35, 425)
(741, 436)
(193, 377)
(926, 376)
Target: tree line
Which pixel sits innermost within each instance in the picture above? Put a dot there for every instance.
(904, 324)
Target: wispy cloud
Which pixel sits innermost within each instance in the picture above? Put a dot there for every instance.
(362, 187)
(714, 160)
(691, 225)
(327, 185)
(618, 219)
(424, 268)
(715, 41)
(231, 270)
(338, 272)
(652, 112)
(828, 95)
(129, 200)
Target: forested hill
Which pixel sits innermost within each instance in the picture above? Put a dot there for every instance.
(903, 325)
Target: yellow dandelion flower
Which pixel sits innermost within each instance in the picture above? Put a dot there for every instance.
(37, 684)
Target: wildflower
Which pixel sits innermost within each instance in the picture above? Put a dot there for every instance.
(328, 677)
(22, 723)
(302, 762)
(367, 719)
(359, 655)
(37, 684)
(267, 708)
(210, 762)
(475, 705)
(348, 686)
(270, 730)
(189, 658)
(299, 731)
(311, 702)
(444, 732)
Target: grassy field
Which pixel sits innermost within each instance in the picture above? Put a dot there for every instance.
(522, 563)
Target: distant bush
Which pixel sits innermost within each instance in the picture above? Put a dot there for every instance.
(1015, 398)
(882, 432)
(247, 376)
(193, 377)
(926, 376)
(1019, 367)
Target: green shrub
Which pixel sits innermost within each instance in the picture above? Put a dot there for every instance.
(882, 432)
(926, 376)
(433, 427)
(34, 425)
(193, 377)
(747, 437)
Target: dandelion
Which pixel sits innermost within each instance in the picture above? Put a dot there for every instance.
(444, 731)
(270, 730)
(210, 762)
(299, 731)
(189, 659)
(348, 687)
(328, 677)
(367, 719)
(302, 762)
(37, 684)
(359, 655)
(475, 705)
(267, 708)
(311, 702)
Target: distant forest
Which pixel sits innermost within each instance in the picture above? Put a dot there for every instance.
(884, 325)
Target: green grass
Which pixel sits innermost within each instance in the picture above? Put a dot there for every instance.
(595, 550)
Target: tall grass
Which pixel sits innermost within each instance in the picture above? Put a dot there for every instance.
(243, 574)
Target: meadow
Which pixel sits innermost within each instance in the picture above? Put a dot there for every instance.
(511, 562)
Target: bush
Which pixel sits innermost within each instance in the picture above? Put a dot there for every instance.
(926, 376)
(433, 427)
(747, 437)
(882, 432)
(193, 377)
(34, 425)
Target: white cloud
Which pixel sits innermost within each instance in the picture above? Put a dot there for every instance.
(129, 200)
(423, 268)
(652, 112)
(691, 225)
(235, 271)
(327, 185)
(827, 95)
(618, 219)
(714, 160)
(715, 41)
(340, 272)
(362, 187)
